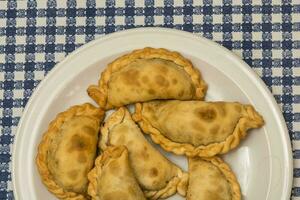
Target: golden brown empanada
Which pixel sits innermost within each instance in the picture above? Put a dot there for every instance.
(112, 177)
(211, 179)
(68, 149)
(196, 128)
(147, 74)
(158, 177)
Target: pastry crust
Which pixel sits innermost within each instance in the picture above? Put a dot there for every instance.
(226, 171)
(54, 131)
(176, 183)
(99, 92)
(250, 119)
(118, 155)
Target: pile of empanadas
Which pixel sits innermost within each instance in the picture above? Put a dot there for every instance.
(82, 157)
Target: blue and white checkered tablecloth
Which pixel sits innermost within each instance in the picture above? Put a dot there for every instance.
(35, 35)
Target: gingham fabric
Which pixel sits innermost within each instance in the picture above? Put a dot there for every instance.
(35, 35)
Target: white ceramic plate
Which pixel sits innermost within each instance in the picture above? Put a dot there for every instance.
(262, 162)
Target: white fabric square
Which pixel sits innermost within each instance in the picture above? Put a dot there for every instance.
(277, 90)
(119, 20)
(277, 53)
(159, 19)
(257, 18)
(197, 19)
(217, 19)
(99, 21)
(20, 57)
(139, 20)
(40, 21)
(276, 71)
(276, 36)
(80, 21)
(178, 19)
(19, 76)
(61, 21)
(277, 18)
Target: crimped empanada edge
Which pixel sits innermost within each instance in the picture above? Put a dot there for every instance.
(41, 158)
(229, 175)
(99, 93)
(110, 152)
(251, 119)
(177, 183)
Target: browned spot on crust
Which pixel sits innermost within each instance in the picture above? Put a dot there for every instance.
(121, 140)
(212, 195)
(238, 108)
(114, 167)
(81, 158)
(174, 81)
(130, 77)
(89, 130)
(123, 128)
(144, 154)
(180, 94)
(214, 130)
(78, 143)
(163, 69)
(151, 91)
(192, 89)
(153, 172)
(221, 106)
(131, 191)
(197, 126)
(161, 81)
(73, 174)
(116, 195)
(207, 114)
(145, 79)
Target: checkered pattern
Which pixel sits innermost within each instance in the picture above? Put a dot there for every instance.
(35, 35)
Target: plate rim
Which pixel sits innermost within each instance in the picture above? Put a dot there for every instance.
(229, 54)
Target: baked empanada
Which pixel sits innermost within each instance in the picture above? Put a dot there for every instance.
(68, 149)
(112, 177)
(158, 177)
(196, 128)
(211, 179)
(147, 74)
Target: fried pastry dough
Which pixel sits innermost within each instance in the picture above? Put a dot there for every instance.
(112, 177)
(211, 178)
(158, 177)
(147, 74)
(196, 128)
(67, 151)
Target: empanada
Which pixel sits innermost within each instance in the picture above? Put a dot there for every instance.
(68, 149)
(196, 128)
(158, 177)
(112, 177)
(211, 179)
(147, 74)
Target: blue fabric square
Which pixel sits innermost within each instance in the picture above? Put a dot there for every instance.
(129, 11)
(91, 12)
(207, 10)
(110, 11)
(51, 12)
(11, 13)
(71, 12)
(168, 10)
(149, 11)
(247, 9)
(227, 10)
(188, 10)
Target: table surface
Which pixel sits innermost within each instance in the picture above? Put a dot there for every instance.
(34, 36)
